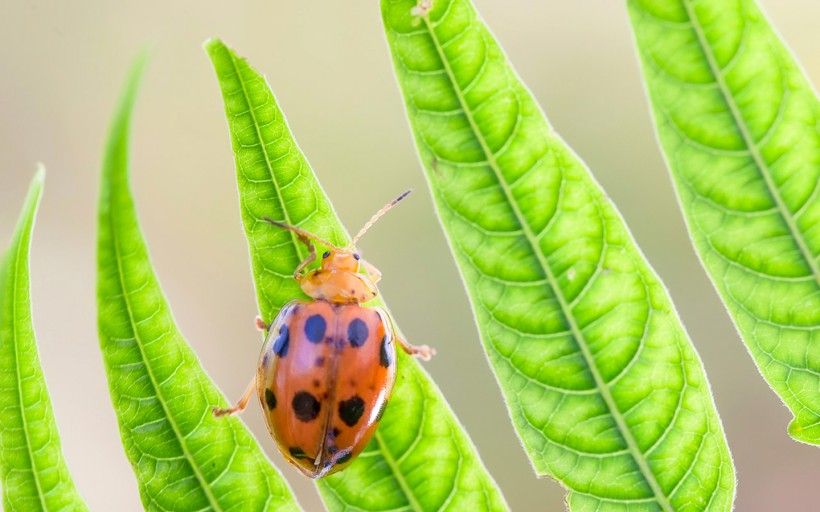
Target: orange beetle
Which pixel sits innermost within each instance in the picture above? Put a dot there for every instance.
(328, 366)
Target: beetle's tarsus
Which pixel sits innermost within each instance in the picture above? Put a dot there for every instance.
(218, 413)
(261, 325)
(423, 352)
(240, 405)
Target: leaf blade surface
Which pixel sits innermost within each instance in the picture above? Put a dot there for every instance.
(34, 472)
(738, 123)
(420, 457)
(604, 388)
(181, 454)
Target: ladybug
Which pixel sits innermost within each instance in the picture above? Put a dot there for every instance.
(328, 364)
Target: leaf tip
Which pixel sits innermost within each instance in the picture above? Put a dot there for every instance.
(214, 46)
(212, 43)
(36, 187)
(38, 180)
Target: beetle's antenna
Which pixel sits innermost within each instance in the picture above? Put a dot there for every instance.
(376, 216)
(301, 233)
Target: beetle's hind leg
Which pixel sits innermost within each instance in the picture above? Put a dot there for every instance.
(423, 352)
(240, 405)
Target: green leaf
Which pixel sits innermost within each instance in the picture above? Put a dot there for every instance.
(420, 458)
(182, 455)
(740, 127)
(603, 385)
(33, 471)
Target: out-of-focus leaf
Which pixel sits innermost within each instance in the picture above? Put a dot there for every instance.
(33, 471)
(183, 457)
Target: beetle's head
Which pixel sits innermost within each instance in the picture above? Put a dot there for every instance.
(340, 259)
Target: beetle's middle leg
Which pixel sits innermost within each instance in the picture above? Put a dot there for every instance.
(423, 352)
(240, 405)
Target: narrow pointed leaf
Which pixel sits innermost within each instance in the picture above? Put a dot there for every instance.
(740, 127)
(183, 457)
(603, 385)
(420, 458)
(33, 470)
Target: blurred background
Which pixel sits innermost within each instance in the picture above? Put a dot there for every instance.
(61, 68)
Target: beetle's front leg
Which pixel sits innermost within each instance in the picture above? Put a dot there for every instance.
(297, 274)
(423, 352)
(374, 273)
(240, 405)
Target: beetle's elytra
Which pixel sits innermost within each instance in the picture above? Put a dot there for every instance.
(328, 364)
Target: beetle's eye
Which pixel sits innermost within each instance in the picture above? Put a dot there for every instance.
(326, 255)
(356, 255)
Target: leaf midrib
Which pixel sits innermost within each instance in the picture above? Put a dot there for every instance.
(566, 311)
(751, 145)
(391, 462)
(397, 474)
(34, 470)
(264, 148)
(203, 484)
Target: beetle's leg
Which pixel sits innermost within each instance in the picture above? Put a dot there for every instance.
(423, 352)
(261, 325)
(305, 238)
(374, 273)
(301, 233)
(240, 405)
(297, 274)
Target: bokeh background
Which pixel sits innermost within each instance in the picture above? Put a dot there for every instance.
(61, 68)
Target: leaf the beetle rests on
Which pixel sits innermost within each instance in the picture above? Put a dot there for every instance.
(602, 382)
(180, 453)
(34, 473)
(420, 458)
(738, 123)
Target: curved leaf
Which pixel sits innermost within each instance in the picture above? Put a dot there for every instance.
(740, 126)
(33, 471)
(420, 458)
(183, 457)
(603, 385)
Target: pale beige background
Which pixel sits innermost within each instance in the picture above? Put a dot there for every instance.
(61, 67)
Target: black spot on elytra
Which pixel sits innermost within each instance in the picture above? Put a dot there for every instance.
(320, 361)
(334, 433)
(357, 332)
(351, 410)
(344, 458)
(385, 356)
(298, 453)
(316, 383)
(315, 327)
(381, 411)
(270, 399)
(282, 342)
(305, 406)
